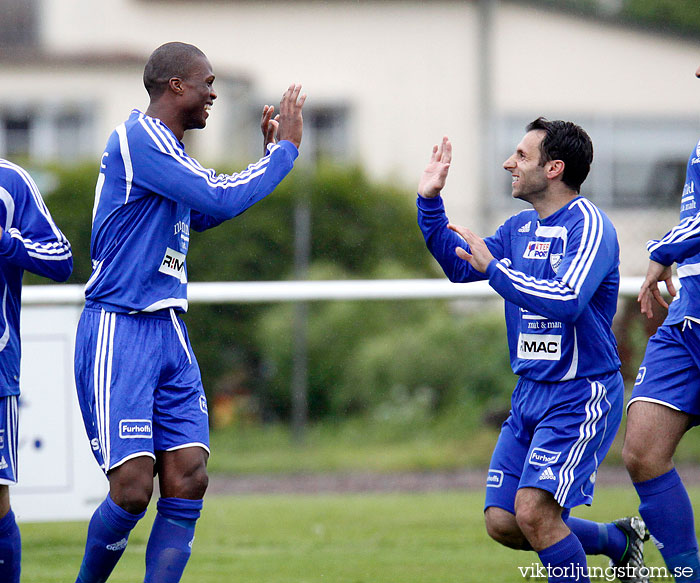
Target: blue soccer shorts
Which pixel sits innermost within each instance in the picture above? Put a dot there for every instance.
(554, 439)
(670, 372)
(9, 429)
(139, 386)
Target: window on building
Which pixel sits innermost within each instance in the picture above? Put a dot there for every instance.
(46, 133)
(638, 162)
(327, 131)
(16, 129)
(19, 23)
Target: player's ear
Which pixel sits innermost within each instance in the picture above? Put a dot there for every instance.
(175, 85)
(555, 168)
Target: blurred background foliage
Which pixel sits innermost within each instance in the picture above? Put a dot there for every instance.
(680, 16)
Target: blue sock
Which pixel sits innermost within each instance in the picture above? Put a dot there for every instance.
(170, 544)
(565, 561)
(666, 509)
(107, 535)
(10, 549)
(599, 538)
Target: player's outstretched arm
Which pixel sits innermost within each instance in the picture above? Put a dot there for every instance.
(435, 174)
(649, 292)
(291, 123)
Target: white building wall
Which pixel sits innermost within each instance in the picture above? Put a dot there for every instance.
(409, 72)
(406, 69)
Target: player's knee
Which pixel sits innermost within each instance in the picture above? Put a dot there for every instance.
(642, 461)
(191, 484)
(199, 481)
(502, 527)
(131, 485)
(530, 519)
(632, 456)
(133, 497)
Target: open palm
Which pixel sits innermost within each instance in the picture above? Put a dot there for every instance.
(435, 173)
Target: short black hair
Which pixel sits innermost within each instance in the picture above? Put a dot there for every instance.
(568, 142)
(170, 60)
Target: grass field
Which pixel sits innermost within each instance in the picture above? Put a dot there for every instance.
(360, 538)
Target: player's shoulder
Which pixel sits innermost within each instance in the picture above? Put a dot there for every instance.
(582, 207)
(522, 223)
(14, 178)
(694, 160)
(583, 211)
(695, 154)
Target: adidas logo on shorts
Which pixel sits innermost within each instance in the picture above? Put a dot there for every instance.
(548, 474)
(3, 463)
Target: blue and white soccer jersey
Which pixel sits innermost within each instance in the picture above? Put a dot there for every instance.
(138, 382)
(139, 385)
(554, 439)
(560, 278)
(30, 241)
(149, 195)
(9, 430)
(677, 341)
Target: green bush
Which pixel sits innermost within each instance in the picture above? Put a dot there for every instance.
(405, 358)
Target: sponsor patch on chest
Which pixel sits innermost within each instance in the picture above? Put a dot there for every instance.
(173, 264)
(537, 250)
(539, 346)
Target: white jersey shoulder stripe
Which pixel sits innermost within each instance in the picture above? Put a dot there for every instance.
(36, 196)
(588, 248)
(9, 203)
(126, 158)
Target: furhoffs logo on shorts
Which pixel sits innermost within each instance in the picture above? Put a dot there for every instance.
(543, 457)
(494, 479)
(135, 429)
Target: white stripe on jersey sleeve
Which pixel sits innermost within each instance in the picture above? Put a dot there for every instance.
(688, 227)
(48, 251)
(167, 144)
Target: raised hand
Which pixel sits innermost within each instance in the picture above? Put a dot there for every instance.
(290, 120)
(649, 291)
(268, 126)
(435, 173)
(480, 256)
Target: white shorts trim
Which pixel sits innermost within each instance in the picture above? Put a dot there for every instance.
(5, 482)
(130, 457)
(186, 445)
(656, 401)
